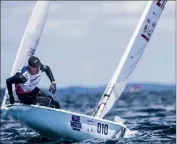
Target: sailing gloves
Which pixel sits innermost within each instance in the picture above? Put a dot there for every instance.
(11, 99)
(52, 87)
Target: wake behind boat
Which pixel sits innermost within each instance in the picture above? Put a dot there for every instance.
(62, 124)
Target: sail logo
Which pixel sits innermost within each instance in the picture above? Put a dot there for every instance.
(161, 3)
(31, 52)
(75, 123)
(148, 29)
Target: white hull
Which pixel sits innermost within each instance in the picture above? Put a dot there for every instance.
(59, 123)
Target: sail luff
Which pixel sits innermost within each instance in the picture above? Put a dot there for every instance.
(129, 60)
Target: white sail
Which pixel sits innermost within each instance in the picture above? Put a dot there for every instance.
(31, 37)
(131, 56)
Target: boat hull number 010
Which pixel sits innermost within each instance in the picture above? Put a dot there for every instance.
(102, 128)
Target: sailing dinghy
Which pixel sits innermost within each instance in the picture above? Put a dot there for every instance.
(62, 124)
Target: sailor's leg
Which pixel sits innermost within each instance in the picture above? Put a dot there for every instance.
(45, 99)
(26, 98)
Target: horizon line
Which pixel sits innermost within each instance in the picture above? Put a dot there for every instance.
(104, 85)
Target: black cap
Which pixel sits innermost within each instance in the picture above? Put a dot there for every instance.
(34, 61)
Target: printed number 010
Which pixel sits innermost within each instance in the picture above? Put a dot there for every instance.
(102, 128)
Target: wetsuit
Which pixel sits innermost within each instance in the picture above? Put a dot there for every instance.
(26, 86)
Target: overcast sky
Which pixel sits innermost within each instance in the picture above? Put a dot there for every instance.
(83, 41)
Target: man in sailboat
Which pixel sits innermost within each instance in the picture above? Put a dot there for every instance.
(26, 81)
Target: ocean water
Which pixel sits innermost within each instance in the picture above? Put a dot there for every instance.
(152, 114)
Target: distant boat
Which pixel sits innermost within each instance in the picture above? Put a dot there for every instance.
(135, 88)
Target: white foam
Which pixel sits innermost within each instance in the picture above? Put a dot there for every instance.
(130, 133)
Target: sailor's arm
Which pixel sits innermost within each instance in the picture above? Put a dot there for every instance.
(50, 76)
(48, 72)
(17, 78)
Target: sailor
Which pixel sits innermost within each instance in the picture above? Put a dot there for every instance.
(26, 81)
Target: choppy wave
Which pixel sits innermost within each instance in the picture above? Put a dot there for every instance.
(152, 115)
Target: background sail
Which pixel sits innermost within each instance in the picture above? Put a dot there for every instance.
(131, 56)
(31, 37)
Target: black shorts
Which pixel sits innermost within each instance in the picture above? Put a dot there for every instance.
(37, 96)
(28, 98)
